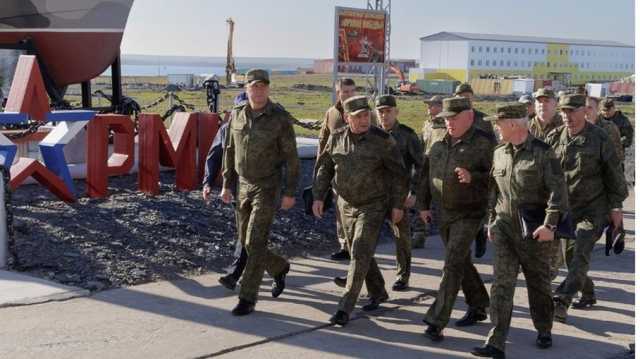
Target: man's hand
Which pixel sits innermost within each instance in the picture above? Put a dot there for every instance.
(287, 202)
(410, 201)
(206, 190)
(464, 176)
(226, 196)
(396, 215)
(615, 216)
(425, 216)
(318, 209)
(543, 234)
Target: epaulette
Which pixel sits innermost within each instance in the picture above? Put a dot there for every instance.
(379, 132)
(540, 143)
(279, 108)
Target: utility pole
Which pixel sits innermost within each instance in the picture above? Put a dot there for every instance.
(380, 70)
(231, 64)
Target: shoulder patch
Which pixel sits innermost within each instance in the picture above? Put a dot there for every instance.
(379, 132)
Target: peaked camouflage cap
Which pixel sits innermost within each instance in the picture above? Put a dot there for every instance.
(544, 92)
(385, 101)
(571, 101)
(356, 104)
(510, 110)
(254, 75)
(437, 99)
(462, 88)
(454, 105)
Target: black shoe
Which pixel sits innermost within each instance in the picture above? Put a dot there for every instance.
(481, 243)
(244, 307)
(278, 282)
(471, 317)
(341, 255)
(374, 303)
(340, 318)
(488, 351)
(340, 281)
(584, 303)
(228, 281)
(544, 340)
(399, 286)
(434, 333)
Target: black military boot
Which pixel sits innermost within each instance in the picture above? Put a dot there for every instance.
(434, 333)
(340, 281)
(399, 286)
(544, 340)
(341, 255)
(584, 303)
(228, 281)
(488, 351)
(341, 318)
(471, 317)
(244, 307)
(374, 303)
(278, 282)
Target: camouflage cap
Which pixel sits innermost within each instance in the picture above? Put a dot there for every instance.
(462, 88)
(437, 99)
(254, 75)
(571, 101)
(385, 101)
(356, 104)
(454, 105)
(526, 99)
(608, 103)
(508, 110)
(544, 92)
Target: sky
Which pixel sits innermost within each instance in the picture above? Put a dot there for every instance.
(304, 28)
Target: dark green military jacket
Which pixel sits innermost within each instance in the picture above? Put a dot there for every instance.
(614, 135)
(624, 126)
(258, 145)
(410, 148)
(434, 130)
(439, 182)
(591, 168)
(479, 122)
(528, 174)
(333, 120)
(541, 131)
(359, 167)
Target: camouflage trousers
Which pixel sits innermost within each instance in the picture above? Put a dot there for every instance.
(458, 271)
(577, 255)
(402, 235)
(422, 230)
(340, 235)
(257, 205)
(362, 226)
(512, 252)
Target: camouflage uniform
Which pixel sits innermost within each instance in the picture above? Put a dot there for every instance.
(595, 185)
(479, 122)
(462, 208)
(530, 174)
(333, 120)
(626, 130)
(540, 130)
(359, 167)
(257, 146)
(614, 135)
(410, 149)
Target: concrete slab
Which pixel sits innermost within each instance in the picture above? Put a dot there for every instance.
(190, 318)
(20, 289)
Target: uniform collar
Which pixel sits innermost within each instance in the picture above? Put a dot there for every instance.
(581, 138)
(268, 109)
(393, 129)
(527, 145)
(465, 138)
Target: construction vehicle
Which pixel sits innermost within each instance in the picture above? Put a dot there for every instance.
(404, 87)
(230, 69)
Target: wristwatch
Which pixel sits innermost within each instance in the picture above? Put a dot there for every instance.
(551, 227)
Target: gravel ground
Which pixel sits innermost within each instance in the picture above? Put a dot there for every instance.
(131, 238)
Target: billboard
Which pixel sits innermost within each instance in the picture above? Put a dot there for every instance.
(360, 36)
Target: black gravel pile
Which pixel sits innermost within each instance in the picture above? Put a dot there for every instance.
(131, 238)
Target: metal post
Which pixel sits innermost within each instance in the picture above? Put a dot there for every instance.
(335, 59)
(116, 85)
(86, 93)
(4, 233)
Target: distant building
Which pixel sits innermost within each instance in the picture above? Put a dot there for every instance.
(466, 56)
(325, 66)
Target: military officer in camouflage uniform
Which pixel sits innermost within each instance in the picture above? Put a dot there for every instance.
(611, 129)
(364, 166)
(465, 90)
(260, 140)
(596, 189)
(456, 177)
(609, 113)
(525, 171)
(410, 148)
(434, 130)
(527, 100)
(546, 118)
(333, 120)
